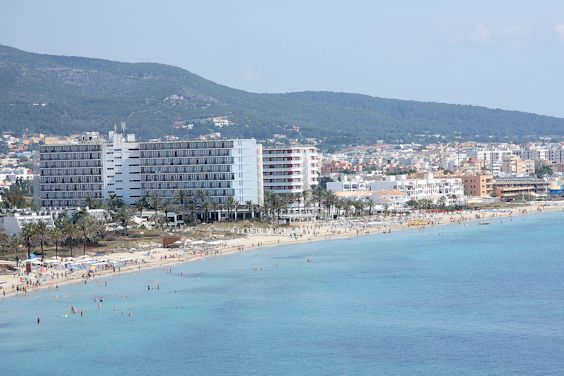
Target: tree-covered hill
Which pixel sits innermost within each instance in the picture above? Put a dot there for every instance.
(62, 95)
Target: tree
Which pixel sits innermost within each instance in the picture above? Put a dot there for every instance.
(441, 202)
(140, 205)
(358, 206)
(304, 196)
(250, 208)
(154, 201)
(181, 198)
(124, 216)
(370, 204)
(236, 208)
(70, 231)
(42, 232)
(10, 243)
(542, 170)
(114, 202)
(13, 198)
(230, 204)
(92, 202)
(85, 226)
(27, 235)
(201, 197)
(57, 236)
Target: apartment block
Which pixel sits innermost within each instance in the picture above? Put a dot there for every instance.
(477, 185)
(70, 173)
(93, 167)
(290, 169)
(220, 168)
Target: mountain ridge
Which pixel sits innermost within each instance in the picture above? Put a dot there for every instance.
(66, 94)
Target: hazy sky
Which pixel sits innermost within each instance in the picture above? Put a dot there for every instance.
(498, 53)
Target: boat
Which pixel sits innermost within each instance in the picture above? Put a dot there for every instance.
(484, 223)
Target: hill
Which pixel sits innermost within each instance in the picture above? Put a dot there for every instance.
(63, 94)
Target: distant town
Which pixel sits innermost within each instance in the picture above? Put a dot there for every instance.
(43, 174)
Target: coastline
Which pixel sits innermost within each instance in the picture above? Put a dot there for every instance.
(320, 231)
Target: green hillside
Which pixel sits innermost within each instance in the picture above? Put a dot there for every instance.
(61, 95)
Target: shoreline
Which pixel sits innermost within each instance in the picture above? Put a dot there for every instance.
(323, 231)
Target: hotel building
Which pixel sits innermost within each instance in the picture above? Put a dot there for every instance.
(221, 168)
(70, 173)
(290, 169)
(93, 167)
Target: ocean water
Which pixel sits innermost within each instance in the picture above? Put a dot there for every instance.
(452, 300)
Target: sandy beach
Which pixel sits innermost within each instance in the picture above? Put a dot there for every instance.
(18, 284)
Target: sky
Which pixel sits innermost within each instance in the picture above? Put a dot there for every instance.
(495, 53)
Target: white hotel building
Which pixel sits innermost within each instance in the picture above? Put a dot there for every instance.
(97, 168)
(221, 168)
(290, 169)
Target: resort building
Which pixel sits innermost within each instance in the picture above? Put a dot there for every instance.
(219, 168)
(477, 185)
(69, 173)
(451, 190)
(290, 169)
(12, 225)
(121, 172)
(509, 188)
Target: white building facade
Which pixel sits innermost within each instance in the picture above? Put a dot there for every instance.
(220, 168)
(290, 169)
(70, 173)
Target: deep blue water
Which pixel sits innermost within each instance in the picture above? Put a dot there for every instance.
(452, 300)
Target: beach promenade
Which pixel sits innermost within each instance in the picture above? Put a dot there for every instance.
(51, 275)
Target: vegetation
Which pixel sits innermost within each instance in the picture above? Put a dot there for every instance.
(62, 95)
(425, 204)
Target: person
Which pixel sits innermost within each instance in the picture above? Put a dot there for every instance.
(38, 320)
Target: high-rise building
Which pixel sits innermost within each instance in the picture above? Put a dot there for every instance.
(290, 169)
(220, 168)
(122, 166)
(70, 173)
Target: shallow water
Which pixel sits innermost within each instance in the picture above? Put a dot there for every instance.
(460, 299)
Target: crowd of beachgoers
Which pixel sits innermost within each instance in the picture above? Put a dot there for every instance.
(52, 272)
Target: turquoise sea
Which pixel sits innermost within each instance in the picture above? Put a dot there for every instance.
(451, 300)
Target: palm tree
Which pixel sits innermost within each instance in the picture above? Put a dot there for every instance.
(166, 207)
(236, 208)
(154, 201)
(42, 232)
(70, 231)
(181, 198)
(305, 197)
(114, 202)
(249, 205)
(318, 196)
(91, 202)
(201, 197)
(10, 242)
(192, 205)
(140, 205)
(85, 226)
(56, 234)
(206, 208)
(370, 203)
(28, 234)
(358, 206)
(229, 204)
(124, 216)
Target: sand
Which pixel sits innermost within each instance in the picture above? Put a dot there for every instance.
(298, 233)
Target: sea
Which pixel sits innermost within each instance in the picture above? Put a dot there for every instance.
(464, 299)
